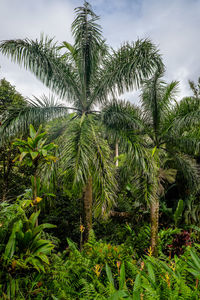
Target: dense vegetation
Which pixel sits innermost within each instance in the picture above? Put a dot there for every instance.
(99, 198)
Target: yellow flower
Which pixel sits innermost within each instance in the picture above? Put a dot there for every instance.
(82, 228)
(118, 265)
(54, 159)
(97, 270)
(14, 263)
(167, 279)
(131, 281)
(1, 224)
(149, 252)
(172, 266)
(142, 266)
(38, 199)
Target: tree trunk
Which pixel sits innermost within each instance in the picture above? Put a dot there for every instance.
(35, 193)
(88, 209)
(117, 153)
(154, 226)
(7, 166)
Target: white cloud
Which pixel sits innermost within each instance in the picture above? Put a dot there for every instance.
(172, 25)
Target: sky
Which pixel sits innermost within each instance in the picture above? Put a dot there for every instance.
(173, 25)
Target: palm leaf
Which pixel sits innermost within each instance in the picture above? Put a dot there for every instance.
(44, 61)
(38, 112)
(126, 68)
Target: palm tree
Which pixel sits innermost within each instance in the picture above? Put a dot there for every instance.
(85, 74)
(157, 141)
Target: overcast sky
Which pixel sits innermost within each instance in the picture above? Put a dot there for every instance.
(173, 25)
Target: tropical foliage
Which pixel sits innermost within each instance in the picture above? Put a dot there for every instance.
(100, 197)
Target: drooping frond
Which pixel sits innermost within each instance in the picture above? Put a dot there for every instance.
(36, 113)
(126, 68)
(121, 115)
(195, 87)
(186, 114)
(45, 101)
(85, 153)
(77, 151)
(186, 144)
(170, 93)
(188, 169)
(44, 61)
(103, 169)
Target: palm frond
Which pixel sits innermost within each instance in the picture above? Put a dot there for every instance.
(89, 45)
(157, 98)
(77, 151)
(126, 68)
(186, 114)
(186, 144)
(103, 169)
(42, 58)
(188, 169)
(36, 113)
(120, 115)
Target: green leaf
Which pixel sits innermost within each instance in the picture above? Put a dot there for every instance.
(179, 211)
(41, 227)
(32, 131)
(27, 238)
(154, 150)
(109, 275)
(43, 257)
(122, 277)
(34, 154)
(151, 272)
(33, 218)
(49, 146)
(137, 284)
(136, 295)
(44, 152)
(119, 295)
(10, 247)
(195, 259)
(22, 155)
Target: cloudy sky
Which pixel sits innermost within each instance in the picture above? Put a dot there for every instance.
(173, 25)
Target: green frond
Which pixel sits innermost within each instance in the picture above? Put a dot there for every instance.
(186, 114)
(89, 46)
(38, 112)
(126, 68)
(45, 101)
(157, 98)
(120, 115)
(104, 171)
(77, 151)
(186, 144)
(170, 92)
(85, 153)
(188, 169)
(42, 58)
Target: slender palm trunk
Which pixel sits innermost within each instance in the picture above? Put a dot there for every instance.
(154, 208)
(35, 192)
(7, 167)
(117, 153)
(88, 208)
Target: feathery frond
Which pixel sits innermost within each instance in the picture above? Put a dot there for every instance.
(43, 59)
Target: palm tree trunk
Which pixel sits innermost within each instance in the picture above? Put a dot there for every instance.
(88, 208)
(35, 191)
(154, 208)
(117, 153)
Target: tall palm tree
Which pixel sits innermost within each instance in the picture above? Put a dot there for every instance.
(85, 75)
(156, 138)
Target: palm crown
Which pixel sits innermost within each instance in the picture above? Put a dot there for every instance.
(85, 74)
